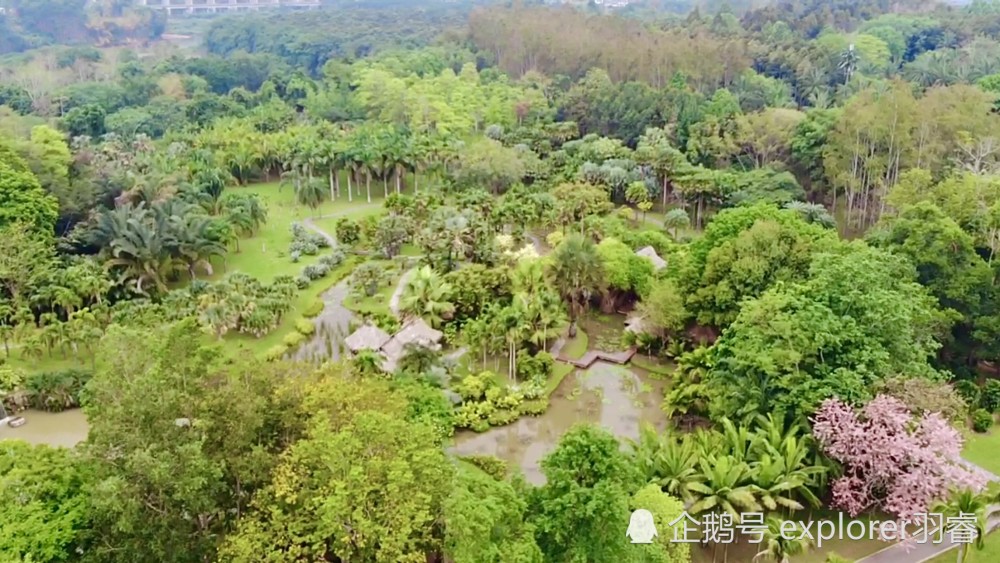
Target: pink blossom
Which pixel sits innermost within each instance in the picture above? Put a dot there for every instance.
(891, 460)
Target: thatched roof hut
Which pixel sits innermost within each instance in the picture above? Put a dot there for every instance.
(650, 254)
(368, 337)
(414, 332)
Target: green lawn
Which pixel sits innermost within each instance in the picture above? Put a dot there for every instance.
(989, 554)
(265, 256)
(378, 303)
(984, 450)
(656, 366)
(576, 347)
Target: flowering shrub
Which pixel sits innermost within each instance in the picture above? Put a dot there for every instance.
(892, 460)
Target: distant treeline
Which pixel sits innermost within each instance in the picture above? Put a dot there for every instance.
(27, 24)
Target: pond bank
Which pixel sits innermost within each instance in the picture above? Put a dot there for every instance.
(618, 398)
(67, 428)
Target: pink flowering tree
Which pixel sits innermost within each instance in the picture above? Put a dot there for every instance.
(892, 460)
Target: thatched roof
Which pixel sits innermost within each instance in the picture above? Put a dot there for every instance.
(368, 337)
(650, 254)
(415, 332)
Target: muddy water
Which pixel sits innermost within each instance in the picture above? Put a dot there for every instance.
(615, 397)
(66, 428)
(333, 325)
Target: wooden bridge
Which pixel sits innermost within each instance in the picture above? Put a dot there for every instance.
(589, 358)
(178, 7)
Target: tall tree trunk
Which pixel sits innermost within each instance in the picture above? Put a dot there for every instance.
(333, 190)
(368, 185)
(350, 196)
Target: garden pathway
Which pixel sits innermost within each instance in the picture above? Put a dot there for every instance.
(398, 294)
(921, 552)
(592, 356)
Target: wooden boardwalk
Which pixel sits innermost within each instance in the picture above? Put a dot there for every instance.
(589, 358)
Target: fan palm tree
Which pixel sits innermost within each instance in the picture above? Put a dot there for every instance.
(577, 273)
(426, 296)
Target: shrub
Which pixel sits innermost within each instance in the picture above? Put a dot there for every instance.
(348, 231)
(275, 353)
(492, 466)
(313, 309)
(473, 386)
(968, 390)
(990, 396)
(535, 368)
(333, 259)
(533, 408)
(302, 282)
(502, 417)
(314, 271)
(293, 339)
(56, 391)
(305, 326)
(295, 256)
(982, 420)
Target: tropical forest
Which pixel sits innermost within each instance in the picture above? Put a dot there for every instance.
(499, 281)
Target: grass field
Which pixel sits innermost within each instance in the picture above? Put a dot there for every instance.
(984, 450)
(265, 255)
(576, 347)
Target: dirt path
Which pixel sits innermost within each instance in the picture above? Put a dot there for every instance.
(398, 294)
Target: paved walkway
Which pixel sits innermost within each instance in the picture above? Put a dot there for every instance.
(909, 552)
(589, 358)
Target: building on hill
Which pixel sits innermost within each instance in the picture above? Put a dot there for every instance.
(179, 7)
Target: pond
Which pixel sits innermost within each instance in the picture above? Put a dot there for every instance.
(66, 428)
(616, 397)
(332, 326)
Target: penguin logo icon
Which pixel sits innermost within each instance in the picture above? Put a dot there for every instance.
(641, 528)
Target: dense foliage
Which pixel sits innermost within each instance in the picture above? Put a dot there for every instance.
(794, 205)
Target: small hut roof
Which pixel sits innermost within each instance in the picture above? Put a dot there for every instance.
(650, 254)
(368, 337)
(415, 332)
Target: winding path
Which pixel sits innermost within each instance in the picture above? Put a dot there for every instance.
(398, 294)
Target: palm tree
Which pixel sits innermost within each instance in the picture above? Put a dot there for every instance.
(577, 273)
(849, 60)
(426, 296)
(962, 504)
(724, 484)
(367, 363)
(778, 545)
(676, 219)
(668, 461)
(418, 360)
(310, 193)
(813, 213)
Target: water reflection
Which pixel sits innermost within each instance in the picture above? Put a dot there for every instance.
(66, 428)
